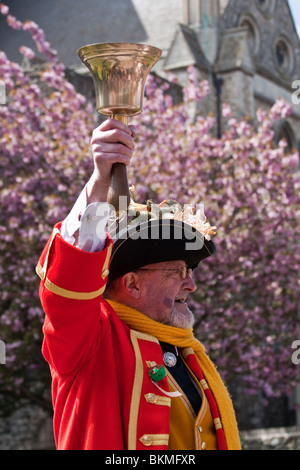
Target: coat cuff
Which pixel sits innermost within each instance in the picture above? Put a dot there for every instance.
(72, 273)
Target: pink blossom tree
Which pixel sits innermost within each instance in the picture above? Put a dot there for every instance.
(247, 304)
(44, 156)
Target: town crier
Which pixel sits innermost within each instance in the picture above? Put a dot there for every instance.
(127, 371)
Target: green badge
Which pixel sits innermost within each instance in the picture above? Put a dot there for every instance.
(157, 373)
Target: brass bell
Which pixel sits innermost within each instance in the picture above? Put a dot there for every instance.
(119, 72)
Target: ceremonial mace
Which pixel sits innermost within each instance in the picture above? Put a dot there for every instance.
(119, 72)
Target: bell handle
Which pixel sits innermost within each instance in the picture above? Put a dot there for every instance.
(118, 181)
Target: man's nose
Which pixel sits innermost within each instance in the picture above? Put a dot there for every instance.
(189, 284)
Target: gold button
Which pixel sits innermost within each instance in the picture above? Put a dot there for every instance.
(151, 398)
(105, 273)
(146, 440)
(203, 445)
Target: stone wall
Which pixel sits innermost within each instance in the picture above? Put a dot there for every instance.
(272, 439)
(29, 428)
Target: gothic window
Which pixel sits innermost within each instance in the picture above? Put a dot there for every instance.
(253, 32)
(281, 53)
(284, 56)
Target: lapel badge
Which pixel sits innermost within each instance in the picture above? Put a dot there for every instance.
(170, 360)
(157, 373)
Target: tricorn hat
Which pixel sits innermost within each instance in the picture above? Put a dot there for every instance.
(160, 233)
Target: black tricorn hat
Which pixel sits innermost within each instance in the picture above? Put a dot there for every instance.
(155, 241)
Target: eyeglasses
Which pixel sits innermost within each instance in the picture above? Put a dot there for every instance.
(181, 272)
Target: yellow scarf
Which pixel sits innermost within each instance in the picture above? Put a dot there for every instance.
(184, 338)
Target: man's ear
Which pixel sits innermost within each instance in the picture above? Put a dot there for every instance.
(131, 284)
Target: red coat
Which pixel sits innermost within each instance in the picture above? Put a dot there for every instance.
(102, 395)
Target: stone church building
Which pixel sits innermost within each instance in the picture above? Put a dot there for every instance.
(248, 50)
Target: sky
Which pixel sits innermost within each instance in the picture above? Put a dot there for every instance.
(295, 7)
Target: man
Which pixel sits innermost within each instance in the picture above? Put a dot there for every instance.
(127, 372)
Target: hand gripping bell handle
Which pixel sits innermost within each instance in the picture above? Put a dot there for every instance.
(119, 182)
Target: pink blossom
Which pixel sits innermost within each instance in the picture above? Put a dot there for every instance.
(261, 115)
(27, 52)
(43, 139)
(4, 9)
(226, 110)
(13, 22)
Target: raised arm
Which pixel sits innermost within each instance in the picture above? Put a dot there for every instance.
(72, 280)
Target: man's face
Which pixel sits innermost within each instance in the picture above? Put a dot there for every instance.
(164, 291)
